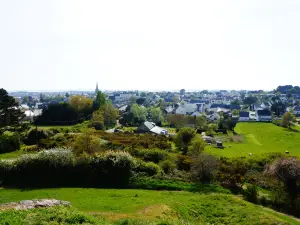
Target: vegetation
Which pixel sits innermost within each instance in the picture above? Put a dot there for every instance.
(142, 207)
(260, 138)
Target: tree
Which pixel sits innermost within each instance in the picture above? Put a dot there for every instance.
(132, 100)
(25, 100)
(156, 115)
(98, 120)
(196, 146)
(139, 113)
(204, 167)
(143, 95)
(182, 92)
(67, 95)
(162, 104)
(278, 108)
(175, 99)
(201, 122)
(177, 120)
(110, 114)
(235, 112)
(86, 143)
(236, 102)
(10, 114)
(288, 119)
(184, 138)
(100, 100)
(287, 170)
(81, 103)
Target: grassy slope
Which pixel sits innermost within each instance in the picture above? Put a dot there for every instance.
(11, 155)
(261, 138)
(213, 208)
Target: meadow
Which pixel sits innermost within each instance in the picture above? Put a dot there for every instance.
(260, 138)
(149, 207)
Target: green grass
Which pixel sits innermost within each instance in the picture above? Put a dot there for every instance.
(260, 138)
(156, 206)
(12, 155)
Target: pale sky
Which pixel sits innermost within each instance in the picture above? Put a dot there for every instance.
(149, 45)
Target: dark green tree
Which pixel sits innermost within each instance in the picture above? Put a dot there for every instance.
(10, 114)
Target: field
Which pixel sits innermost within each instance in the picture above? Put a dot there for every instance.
(162, 207)
(260, 138)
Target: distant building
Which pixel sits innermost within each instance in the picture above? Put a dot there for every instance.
(149, 127)
(263, 115)
(244, 116)
(97, 89)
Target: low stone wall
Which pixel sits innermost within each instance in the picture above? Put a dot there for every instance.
(32, 204)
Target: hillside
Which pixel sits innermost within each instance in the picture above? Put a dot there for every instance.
(110, 206)
(260, 138)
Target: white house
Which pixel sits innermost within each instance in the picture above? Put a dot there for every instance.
(297, 110)
(244, 116)
(263, 115)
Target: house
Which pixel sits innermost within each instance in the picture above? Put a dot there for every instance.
(255, 107)
(196, 114)
(297, 110)
(213, 117)
(147, 127)
(186, 109)
(263, 115)
(265, 105)
(244, 116)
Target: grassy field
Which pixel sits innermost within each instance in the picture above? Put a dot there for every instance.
(11, 155)
(156, 206)
(260, 138)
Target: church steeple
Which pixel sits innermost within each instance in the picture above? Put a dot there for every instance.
(96, 91)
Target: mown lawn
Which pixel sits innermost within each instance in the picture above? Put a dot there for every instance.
(174, 207)
(260, 138)
(12, 155)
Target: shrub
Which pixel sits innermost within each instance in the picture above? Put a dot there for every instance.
(34, 136)
(31, 148)
(204, 168)
(149, 168)
(9, 142)
(251, 193)
(59, 167)
(152, 155)
(167, 166)
(184, 162)
(184, 137)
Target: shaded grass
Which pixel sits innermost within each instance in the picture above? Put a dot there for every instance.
(176, 207)
(260, 138)
(12, 155)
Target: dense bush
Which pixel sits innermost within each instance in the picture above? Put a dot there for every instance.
(9, 142)
(147, 168)
(152, 155)
(35, 135)
(167, 166)
(251, 193)
(59, 167)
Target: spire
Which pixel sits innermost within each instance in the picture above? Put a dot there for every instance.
(96, 91)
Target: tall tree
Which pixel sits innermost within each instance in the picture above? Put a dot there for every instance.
(156, 115)
(288, 119)
(10, 114)
(184, 138)
(110, 114)
(139, 113)
(100, 100)
(182, 92)
(81, 103)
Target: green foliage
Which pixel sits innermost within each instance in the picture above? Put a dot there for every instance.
(184, 137)
(55, 215)
(35, 135)
(153, 155)
(288, 119)
(59, 167)
(167, 165)
(209, 206)
(148, 168)
(250, 100)
(251, 193)
(10, 114)
(110, 115)
(196, 146)
(156, 115)
(86, 143)
(139, 113)
(98, 120)
(204, 167)
(99, 101)
(9, 142)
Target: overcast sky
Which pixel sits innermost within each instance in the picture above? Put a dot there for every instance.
(149, 45)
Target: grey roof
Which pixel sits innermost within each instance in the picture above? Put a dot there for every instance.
(263, 112)
(244, 114)
(158, 130)
(297, 108)
(149, 125)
